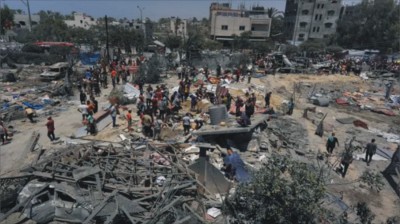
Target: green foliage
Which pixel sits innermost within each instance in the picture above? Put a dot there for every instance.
(51, 27)
(371, 26)
(59, 50)
(262, 47)
(364, 213)
(31, 48)
(291, 50)
(373, 180)
(6, 19)
(334, 49)
(212, 45)
(34, 58)
(125, 38)
(282, 191)
(313, 46)
(150, 71)
(173, 42)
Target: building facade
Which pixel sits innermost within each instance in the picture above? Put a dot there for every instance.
(81, 20)
(22, 20)
(178, 27)
(311, 19)
(225, 23)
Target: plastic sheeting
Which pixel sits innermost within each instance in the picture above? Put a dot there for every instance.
(89, 58)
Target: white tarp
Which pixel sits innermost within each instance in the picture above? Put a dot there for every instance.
(130, 91)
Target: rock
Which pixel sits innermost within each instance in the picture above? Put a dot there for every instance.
(253, 146)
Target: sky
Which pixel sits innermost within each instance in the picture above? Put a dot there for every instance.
(153, 9)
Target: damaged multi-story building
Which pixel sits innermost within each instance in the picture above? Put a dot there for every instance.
(311, 19)
(225, 22)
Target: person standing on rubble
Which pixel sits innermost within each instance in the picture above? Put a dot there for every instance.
(95, 104)
(228, 101)
(179, 71)
(91, 124)
(219, 70)
(113, 77)
(163, 107)
(249, 108)
(158, 125)
(113, 112)
(290, 107)
(3, 134)
(267, 99)
(370, 150)
(129, 120)
(50, 129)
(147, 122)
(238, 104)
(331, 143)
(186, 124)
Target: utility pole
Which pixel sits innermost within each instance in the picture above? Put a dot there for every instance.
(141, 13)
(29, 14)
(107, 47)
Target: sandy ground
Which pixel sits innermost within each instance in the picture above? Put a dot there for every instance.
(384, 204)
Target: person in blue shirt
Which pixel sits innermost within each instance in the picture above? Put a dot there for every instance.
(234, 167)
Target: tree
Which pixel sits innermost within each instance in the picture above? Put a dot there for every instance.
(244, 40)
(282, 191)
(173, 42)
(205, 22)
(51, 27)
(313, 46)
(150, 71)
(277, 25)
(371, 26)
(6, 19)
(271, 12)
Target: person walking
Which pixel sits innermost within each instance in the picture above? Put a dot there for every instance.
(50, 129)
(370, 150)
(347, 159)
(158, 124)
(29, 113)
(331, 143)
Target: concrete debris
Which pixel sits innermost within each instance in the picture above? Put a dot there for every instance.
(99, 182)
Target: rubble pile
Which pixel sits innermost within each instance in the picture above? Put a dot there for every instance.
(127, 182)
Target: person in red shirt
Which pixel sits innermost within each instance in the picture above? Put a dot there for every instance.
(50, 129)
(90, 106)
(154, 105)
(129, 119)
(113, 77)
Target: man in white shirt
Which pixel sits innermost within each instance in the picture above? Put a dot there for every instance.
(84, 110)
